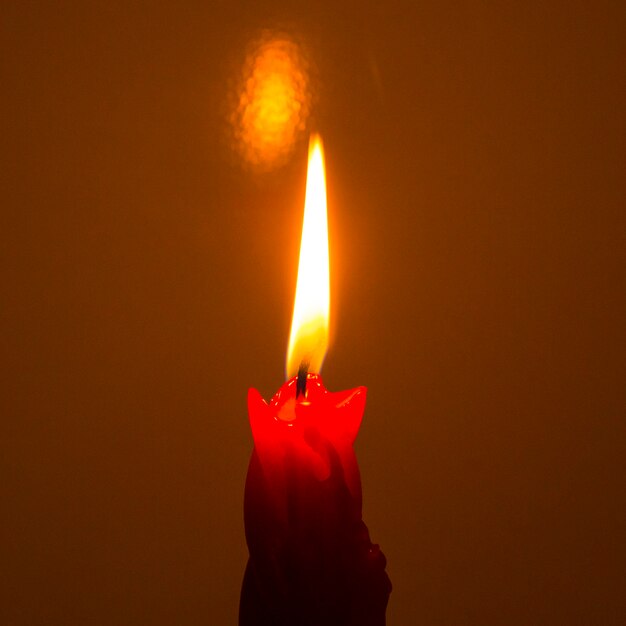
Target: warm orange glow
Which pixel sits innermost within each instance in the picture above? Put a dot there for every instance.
(273, 102)
(308, 339)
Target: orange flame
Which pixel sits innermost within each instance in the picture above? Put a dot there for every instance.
(308, 339)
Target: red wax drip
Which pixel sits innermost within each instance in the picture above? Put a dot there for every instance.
(311, 559)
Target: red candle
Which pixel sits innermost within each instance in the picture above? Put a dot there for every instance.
(311, 558)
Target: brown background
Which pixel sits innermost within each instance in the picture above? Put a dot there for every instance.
(475, 155)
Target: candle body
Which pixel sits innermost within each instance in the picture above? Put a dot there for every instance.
(311, 558)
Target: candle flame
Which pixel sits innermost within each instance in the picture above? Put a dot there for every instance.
(308, 339)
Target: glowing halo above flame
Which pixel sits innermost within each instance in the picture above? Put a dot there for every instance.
(272, 101)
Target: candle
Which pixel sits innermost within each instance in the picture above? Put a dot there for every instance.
(311, 559)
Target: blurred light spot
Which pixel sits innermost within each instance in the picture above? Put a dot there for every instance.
(272, 102)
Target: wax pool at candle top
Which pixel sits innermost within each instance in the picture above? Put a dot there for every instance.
(311, 426)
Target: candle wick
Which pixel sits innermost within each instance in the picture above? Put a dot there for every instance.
(303, 371)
